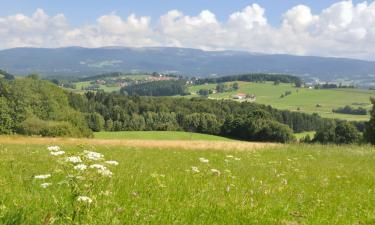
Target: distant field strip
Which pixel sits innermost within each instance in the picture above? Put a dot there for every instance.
(153, 144)
(157, 135)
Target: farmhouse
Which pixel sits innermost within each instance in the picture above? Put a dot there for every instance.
(240, 96)
(248, 97)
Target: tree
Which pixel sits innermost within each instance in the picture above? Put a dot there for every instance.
(221, 87)
(369, 133)
(235, 86)
(326, 134)
(201, 123)
(95, 121)
(346, 133)
(204, 92)
(298, 83)
(6, 122)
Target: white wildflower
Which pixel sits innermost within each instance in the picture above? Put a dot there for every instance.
(112, 162)
(93, 155)
(195, 169)
(106, 173)
(216, 172)
(42, 177)
(102, 170)
(57, 153)
(74, 159)
(98, 166)
(203, 160)
(45, 185)
(80, 167)
(53, 148)
(84, 199)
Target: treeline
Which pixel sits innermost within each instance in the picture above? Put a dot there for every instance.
(255, 77)
(336, 132)
(157, 88)
(6, 75)
(332, 86)
(224, 117)
(350, 110)
(34, 107)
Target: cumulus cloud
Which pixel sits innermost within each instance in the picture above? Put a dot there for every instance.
(343, 29)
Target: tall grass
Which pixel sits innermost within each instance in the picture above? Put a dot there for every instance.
(294, 184)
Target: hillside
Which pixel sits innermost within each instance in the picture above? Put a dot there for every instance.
(83, 62)
(320, 101)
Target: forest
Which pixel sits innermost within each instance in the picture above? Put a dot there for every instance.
(157, 88)
(254, 77)
(32, 106)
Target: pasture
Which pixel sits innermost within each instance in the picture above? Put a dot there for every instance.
(271, 184)
(157, 135)
(302, 99)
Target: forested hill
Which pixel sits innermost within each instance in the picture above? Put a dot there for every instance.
(35, 107)
(254, 77)
(82, 62)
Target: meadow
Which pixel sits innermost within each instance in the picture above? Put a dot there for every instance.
(279, 184)
(301, 99)
(157, 135)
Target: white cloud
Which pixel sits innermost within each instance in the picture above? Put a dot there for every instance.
(343, 29)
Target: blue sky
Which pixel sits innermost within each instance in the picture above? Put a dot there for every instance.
(86, 11)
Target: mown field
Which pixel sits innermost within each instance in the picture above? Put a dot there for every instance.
(303, 98)
(157, 135)
(283, 184)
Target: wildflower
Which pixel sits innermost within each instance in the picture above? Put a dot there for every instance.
(106, 173)
(195, 169)
(57, 153)
(112, 162)
(74, 159)
(98, 166)
(80, 167)
(45, 185)
(84, 199)
(95, 156)
(237, 159)
(53, 148)
(230, 156)
(102, 170)
(203, 160)
(216, 172)
(42, 177)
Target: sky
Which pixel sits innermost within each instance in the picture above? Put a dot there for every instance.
(338, 28)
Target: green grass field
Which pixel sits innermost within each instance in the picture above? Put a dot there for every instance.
(303, 98)
(156, 135)
(291, 184)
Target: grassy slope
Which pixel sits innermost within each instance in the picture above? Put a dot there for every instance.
(305, 99)
(288, 185)
(157, 135)
(105, 88)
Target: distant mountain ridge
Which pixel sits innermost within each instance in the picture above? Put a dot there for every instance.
(82, 62)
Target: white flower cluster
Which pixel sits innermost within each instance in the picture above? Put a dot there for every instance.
(84, 199)
(93, 155)
(55, 150)
(203, 160)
